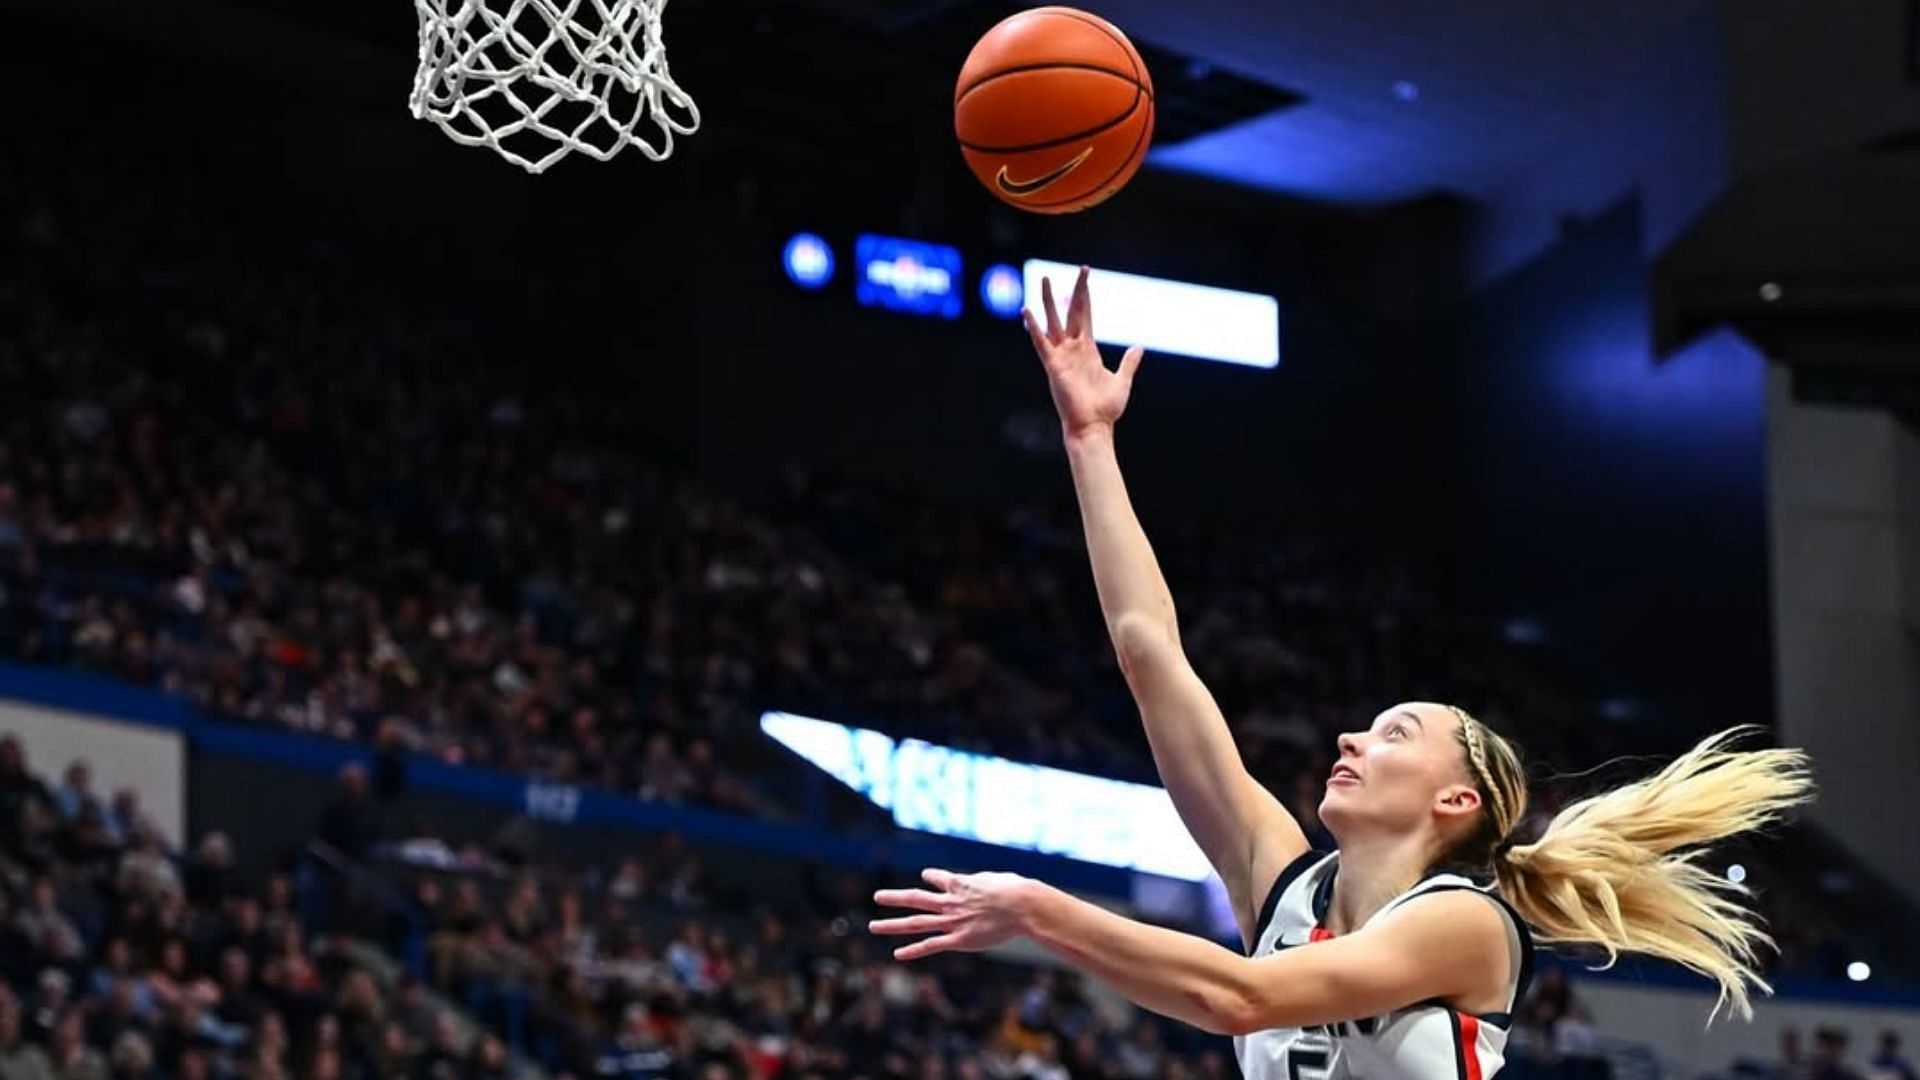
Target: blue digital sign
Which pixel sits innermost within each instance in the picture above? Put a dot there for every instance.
(1002, 290)
(809, 261)
(908, 276)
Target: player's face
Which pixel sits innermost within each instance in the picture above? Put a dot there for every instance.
(1404, 771)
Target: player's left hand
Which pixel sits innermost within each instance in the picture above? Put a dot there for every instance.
(964, 912)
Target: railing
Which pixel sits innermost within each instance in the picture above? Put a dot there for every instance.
(351, 901)
(344, 897)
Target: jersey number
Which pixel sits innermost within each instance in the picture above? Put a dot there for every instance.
(1303, 1064)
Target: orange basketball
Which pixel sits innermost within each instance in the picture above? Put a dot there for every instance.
(1054, 110)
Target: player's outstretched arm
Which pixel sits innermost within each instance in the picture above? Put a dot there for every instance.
(1244, 831)
(1449, 946)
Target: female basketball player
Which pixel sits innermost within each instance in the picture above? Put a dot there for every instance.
(1416, 933)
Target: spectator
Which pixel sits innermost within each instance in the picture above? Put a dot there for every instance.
(70, 1056)
(636, 1053)
(1042, 1062)
(1889, 1063)
(132, 1057)
(52, 1000)
(325, 1065)
(26, 807)
(122, 1012)
(488, 1060)
(146, 869)
(442, 1059)
(126, 820)
(193, 1066)
(395, 1054)
(664, 778)
(1829, 1061)
(349, 823)
(1793, 1060)
(270, 1040)
(1141, 1056)
(76, 791)
(239, 1005)
(47, 930)
(19, 1059)
(211, 877)
(86, 841)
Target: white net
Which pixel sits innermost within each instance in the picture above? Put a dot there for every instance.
(536, 80)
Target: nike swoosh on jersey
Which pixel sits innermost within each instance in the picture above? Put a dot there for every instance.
(1038, 183)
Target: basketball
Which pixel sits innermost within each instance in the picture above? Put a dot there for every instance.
(1054, 110)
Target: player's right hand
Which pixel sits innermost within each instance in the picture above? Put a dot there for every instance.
(1087, 395)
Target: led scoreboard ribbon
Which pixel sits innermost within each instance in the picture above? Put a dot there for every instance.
(993, 800)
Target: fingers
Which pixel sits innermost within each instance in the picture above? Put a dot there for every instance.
(943, 923)
(1053, 313)
(1080, 308)
(1040, 343)
(917, 899)
(1130, 363)
(930, 947)
(912, 924)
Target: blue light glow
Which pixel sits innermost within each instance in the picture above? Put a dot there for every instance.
(809, 261)
(1002, 291)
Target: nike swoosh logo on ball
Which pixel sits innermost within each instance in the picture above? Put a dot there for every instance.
(1029, 187)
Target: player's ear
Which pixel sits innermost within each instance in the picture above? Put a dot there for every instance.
(1457, 800)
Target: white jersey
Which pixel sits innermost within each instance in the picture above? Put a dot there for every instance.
(1428, 1041)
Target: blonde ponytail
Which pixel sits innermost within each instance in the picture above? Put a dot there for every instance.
(1621, 870)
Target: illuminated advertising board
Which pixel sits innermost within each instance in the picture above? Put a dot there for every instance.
(993, 800)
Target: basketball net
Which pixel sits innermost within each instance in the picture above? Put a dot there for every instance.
(536, 80)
